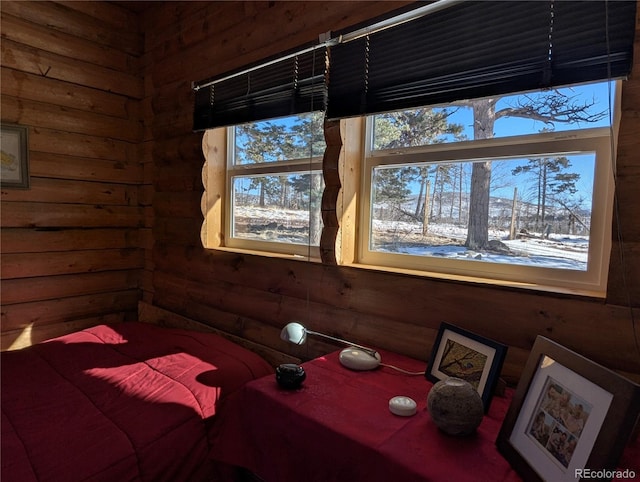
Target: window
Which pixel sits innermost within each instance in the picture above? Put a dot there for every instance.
(274, 185)
(515, 188)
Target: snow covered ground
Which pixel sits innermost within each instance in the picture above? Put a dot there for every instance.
(559, 251)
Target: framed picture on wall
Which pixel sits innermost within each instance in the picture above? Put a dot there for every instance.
(462, 354)
(570, 418)
(14, 146)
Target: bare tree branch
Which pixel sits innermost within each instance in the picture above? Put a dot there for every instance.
(551, 108)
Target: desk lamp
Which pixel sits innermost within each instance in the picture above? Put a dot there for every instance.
(355, 357)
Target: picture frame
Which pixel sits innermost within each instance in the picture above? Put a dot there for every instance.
(463, 354)
(570, 418)
(14, 145)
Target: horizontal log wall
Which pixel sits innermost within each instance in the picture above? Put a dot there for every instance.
(111, 195)
(72, 244)
(254, 297)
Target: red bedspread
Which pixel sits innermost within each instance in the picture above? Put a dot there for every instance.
(130, 401)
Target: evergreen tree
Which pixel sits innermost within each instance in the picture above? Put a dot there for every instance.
(550, 178)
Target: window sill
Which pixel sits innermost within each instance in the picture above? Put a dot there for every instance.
(584, 293)
(268, 254)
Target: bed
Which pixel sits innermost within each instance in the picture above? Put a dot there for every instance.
(129, 401)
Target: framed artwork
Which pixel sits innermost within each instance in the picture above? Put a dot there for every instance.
(570, 418)
(14, 147)
(462, 354)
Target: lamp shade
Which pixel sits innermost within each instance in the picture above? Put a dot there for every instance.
(356, 357)
(294, 333)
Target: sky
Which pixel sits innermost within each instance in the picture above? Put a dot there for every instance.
(584, 165)
(599, 93)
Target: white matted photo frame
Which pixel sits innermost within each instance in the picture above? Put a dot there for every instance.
(569, 417)
(14, 146)
(463, 354)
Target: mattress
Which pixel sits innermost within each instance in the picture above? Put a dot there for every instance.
(130, 401)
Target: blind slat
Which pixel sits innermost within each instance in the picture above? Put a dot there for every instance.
(294, 85)
(478, 49)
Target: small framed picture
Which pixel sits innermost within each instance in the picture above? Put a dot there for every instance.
(570, 418)
(462, 354)
(14, 146)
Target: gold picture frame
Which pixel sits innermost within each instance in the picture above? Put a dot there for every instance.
(14, 146)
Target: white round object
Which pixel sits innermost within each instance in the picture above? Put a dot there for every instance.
(357, 359)
(403, 406)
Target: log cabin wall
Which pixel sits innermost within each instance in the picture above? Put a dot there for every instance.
(72, 244)
(252, 296)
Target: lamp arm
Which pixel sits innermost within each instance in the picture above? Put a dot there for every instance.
(369, 351)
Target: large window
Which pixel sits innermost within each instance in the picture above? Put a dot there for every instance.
(515, 188)
(274, 185)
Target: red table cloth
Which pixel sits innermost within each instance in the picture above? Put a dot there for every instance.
(338, 427)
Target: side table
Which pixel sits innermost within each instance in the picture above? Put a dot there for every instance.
(338, 427)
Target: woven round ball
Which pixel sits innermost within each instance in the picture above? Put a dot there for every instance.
(455, 406)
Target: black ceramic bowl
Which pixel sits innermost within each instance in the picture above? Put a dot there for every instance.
(290, 375)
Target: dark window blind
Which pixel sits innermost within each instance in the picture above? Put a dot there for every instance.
(292, 85)
(479, 49)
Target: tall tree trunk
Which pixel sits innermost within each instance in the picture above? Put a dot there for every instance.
(425, 213)
(420, 196)
(315, 218)
(484, 117)
(460, 195)
(543, 207)
(433, 195)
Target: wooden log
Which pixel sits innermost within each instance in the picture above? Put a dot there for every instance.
(18, 240)
(37, 114)
(185, 204)
(167, 178)
(49, 312)
(22, 290)
(58, 166)
(349, 166)
(185, 232)
(106, 13)
(21, 338)
(623, 283)
(236, 50)
(81, 146)
(41, 37)
(194, 26)
(20, 57)
(153, 314)
(627, 209)
(330, 172)
(37, 88)
(570, 321)
(182, 121)
(29, 215)
(171, 151)
(74, 191)
(61, 18)
(168, 98)
(28, 265)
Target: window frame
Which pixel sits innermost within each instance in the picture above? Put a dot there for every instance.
(231, 170)
(355, 161)
(591, 282)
